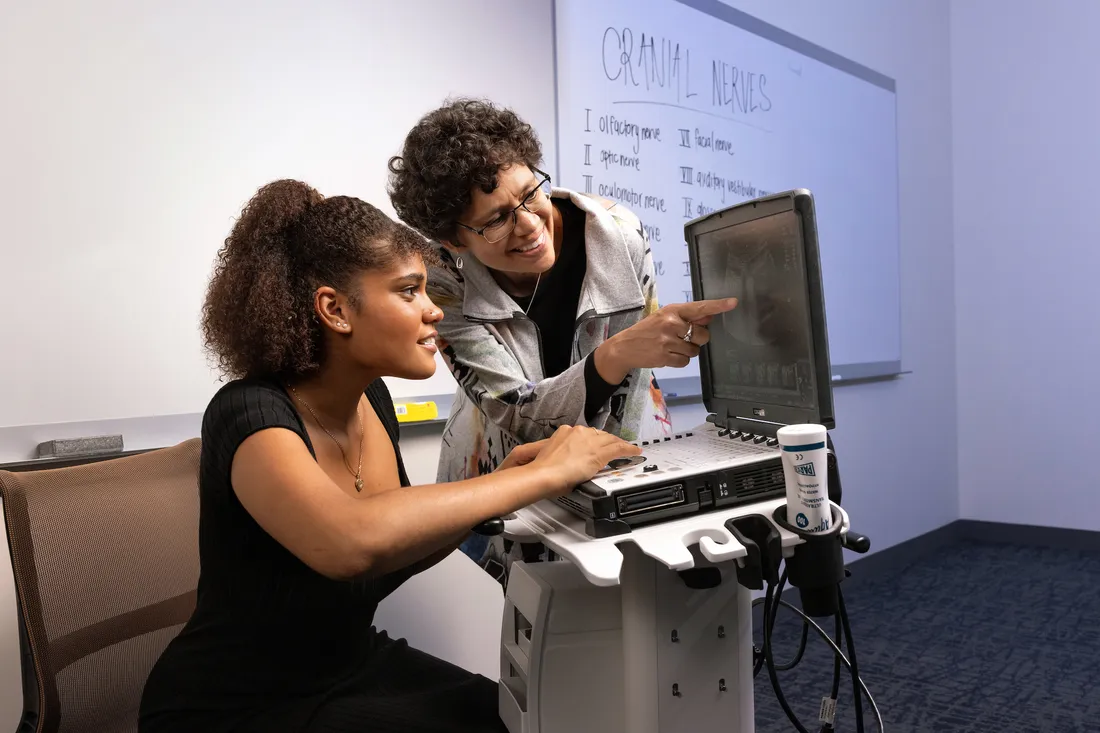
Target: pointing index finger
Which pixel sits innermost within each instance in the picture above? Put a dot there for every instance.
(705, 308)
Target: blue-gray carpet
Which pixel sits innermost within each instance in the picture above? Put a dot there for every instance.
(975, 638)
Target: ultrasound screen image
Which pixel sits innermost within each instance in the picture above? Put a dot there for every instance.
(761, 350)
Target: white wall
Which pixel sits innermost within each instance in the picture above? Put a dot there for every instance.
(891, 493)
(1027, 256)
(896, 441)
(134, 130)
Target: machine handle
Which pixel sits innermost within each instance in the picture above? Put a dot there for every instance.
(860, 543)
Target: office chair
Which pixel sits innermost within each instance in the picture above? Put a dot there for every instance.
(106, 562)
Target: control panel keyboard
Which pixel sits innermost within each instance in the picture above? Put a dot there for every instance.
(711, 445)
(705, 448)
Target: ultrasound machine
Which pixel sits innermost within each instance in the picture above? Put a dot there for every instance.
(767, 365)
(644, 622)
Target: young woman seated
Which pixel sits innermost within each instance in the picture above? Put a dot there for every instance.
(307, 516)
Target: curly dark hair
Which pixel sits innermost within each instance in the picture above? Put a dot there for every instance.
(258, 318)
(450, 150)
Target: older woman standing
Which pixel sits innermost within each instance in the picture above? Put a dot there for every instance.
(550, 295)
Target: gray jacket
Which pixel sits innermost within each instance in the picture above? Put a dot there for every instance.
(493, 349)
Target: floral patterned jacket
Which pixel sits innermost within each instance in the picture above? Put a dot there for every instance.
(494, 353)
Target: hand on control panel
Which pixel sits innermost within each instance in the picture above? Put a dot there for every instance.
(618, 464)
(573, 455)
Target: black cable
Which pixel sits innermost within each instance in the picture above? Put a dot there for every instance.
(834, 690)
(805, 628)
(758, 654)
(841, 657)
(768, 620)
(839, 634)
(770, 661)
(772, 601)
(759, 659)
(856, 682)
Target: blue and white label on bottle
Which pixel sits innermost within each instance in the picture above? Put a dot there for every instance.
(805, 471)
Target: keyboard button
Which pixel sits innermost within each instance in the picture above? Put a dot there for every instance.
(759, 439)
(773, 442)
(746, 437)
(650, 468)
(723, 433)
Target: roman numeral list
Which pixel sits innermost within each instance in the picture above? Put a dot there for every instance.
(630, 158)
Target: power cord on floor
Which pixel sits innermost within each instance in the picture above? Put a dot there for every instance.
(764, 657)
(816, 567)
(834, 691)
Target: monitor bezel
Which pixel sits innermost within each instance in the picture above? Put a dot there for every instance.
(750, 414)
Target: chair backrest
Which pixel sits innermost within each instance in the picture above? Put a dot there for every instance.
(106, 562)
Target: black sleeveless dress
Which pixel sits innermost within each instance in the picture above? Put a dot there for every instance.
(274, 645)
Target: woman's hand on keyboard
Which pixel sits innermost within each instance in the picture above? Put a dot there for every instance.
(523, 454)
(575, 454)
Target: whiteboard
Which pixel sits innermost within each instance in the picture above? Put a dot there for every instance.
(679, 108)
(134, 131)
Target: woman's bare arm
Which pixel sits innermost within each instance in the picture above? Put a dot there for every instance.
(279, 483)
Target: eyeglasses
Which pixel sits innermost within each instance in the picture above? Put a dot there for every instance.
(502, 226)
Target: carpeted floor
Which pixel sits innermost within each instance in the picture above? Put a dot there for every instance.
(976, 638)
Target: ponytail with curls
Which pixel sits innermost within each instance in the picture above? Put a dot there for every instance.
(258, 318)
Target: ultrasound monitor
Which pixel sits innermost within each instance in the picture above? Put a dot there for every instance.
(767, 362)
(766, 365)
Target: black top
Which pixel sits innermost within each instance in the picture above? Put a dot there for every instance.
(554, 309)
(268, 633)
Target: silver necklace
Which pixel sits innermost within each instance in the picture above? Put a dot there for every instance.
(532, 300)
(359, 472)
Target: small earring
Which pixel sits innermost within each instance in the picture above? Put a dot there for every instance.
(458, 262)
